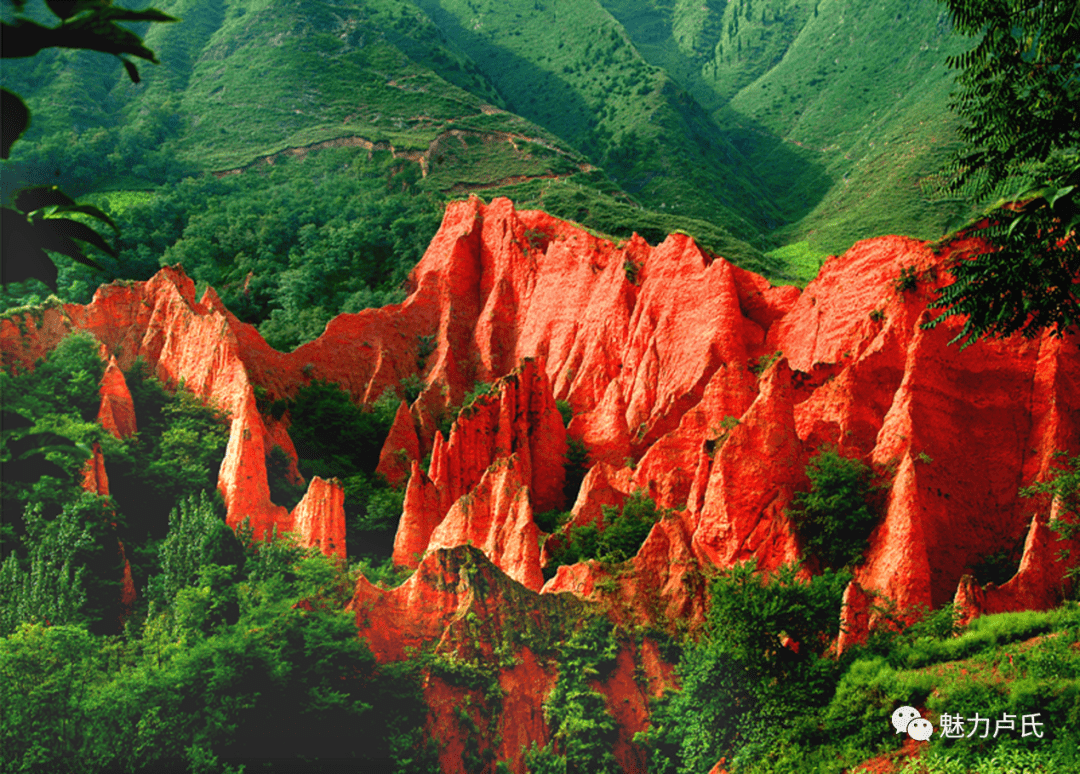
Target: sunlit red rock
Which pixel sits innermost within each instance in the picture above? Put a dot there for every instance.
(518, 419)
(95, 477)
(756, 469)
(401, 448)
(117, 412)
(319, 518)
(497, 518)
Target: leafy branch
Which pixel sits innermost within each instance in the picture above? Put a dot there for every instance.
(33, 225)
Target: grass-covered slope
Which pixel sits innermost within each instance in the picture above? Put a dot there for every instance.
(572, 68)
(840, 108)
(248, 79)
(246, 84)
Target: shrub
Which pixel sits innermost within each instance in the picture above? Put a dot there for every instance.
(626, 532)
(333, 436)
(565, 411)
(576, 465)
(908, 279)
(623, 531)
(583, 730)
(744, 685)
(835, 518)
(549, 521)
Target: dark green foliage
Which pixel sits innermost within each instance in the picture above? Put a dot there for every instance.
(286, 687)
(616, 539)
(1018, 87)
(583, 731)
(46, 674)
(31, 228)
(336, 438)
(996, 567)
(71, 570)
(549, 521)
(282, 490)
(286, 249)
(694, 727)
(576, 466)
(565, 411)
(750, 616)
(175, 454)
(66, 381)
(908, 280)
(625, 532)
(576, 545)
(836, 516)
(332, 435)
(1026, 283)
(48, 430)
(757, 669)
(372, 514)
(196, 538)
(1019, 94)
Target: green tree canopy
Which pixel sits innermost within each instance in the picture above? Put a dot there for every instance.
(1019, 94)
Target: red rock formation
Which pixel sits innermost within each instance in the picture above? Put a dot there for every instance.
(319, 519)
(183, 340)
(520, 419)
(117, 412)
(460, 604)
(656, 350)
(755, 472)
(959, 432)
(663, 584)
(401, 448)
(95, 477)
(496, 518)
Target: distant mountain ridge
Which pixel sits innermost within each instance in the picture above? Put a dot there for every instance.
(774, 121)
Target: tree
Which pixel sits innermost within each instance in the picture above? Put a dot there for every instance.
(31, 227)
(835, 518)
(1019, 94)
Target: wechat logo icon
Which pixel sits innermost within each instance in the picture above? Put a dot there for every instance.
(908, 719)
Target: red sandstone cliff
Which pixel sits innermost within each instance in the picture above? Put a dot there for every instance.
(182, 340)
(662, 354)
(458, 603)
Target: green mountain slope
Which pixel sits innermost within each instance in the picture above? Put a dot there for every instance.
(807, 123)
(572, 68)
(248, 79)
(243, 82)
(857, 92)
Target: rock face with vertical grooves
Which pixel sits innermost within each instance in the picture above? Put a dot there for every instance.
(687, 377)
